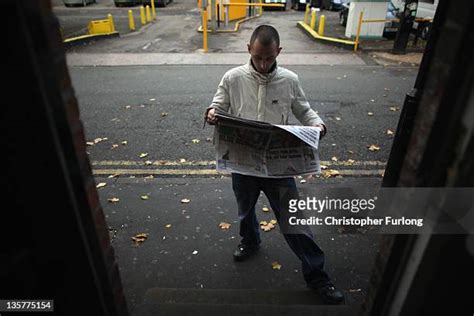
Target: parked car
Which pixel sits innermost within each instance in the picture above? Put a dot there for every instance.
(73, 3)
(158, 3)
(332, 5)
(337, 5)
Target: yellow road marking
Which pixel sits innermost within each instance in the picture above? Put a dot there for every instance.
(213, 163)
(211, 172)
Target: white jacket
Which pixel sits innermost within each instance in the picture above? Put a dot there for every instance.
(246, 93)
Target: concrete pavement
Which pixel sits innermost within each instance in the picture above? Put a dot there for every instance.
(186, 250)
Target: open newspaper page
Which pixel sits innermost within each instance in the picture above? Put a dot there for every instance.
(266, 150)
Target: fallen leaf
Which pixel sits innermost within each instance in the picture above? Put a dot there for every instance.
(208, 139)
(394, 108)
(148, 162)
(113, 175)
(265, 209)
(195, 141)
(330, 173)
(101, 185)
(323, 167)
(303, 181)
(185, 201)
(370, 113)
(152, 99)
(163, 114)
(266, 227)
(338, 118)
(143, 155)
(114, 146)
(90, 143)
(128, 106)
(372, 100)
(144, 197)
(350, 151)
(354, 290)
(124, 142)
(149, 177)
(373, 147)
(113, 200)
(276, 265)
(389, 132)
(334, 158)
(273, 221)
(182, 160)
(224, 225)
(139, 238)
(168, 225)
(195, 252)
(350, 162)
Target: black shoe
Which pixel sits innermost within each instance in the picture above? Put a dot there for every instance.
(243, 252)
(330, 295)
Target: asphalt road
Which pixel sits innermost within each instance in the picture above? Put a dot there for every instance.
(159, 109)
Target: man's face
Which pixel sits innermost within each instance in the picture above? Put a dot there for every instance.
(263, 57)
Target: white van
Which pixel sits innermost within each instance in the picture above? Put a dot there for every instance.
(426, 10)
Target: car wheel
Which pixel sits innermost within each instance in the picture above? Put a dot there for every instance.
(342, 19)
(425, 32)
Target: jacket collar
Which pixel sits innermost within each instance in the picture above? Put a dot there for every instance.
(262, 78)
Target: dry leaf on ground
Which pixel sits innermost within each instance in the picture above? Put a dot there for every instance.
(139, 238)
(373, 147)
(276, 265)
(224, 226)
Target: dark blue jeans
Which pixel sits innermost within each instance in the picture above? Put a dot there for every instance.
(247, 190)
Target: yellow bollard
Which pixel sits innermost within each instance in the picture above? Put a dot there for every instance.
(313, 20)
(148, 15)
(361, 17)
(306, 13)
(142, 15)
(204, 30)
(111, 22)
(322, 21)
(153, 10)
(131, 21)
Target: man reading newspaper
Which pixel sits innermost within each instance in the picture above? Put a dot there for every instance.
(263, 91)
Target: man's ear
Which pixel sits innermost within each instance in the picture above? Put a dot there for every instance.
(249, 48)
(279, 50)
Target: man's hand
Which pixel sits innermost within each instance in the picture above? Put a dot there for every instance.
(322, 128)
(211, 117)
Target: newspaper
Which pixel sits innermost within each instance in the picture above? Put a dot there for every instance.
(263, 149)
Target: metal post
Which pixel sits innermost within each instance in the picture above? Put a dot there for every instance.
(148, 15)
(356, 45)
(406, 26)
(142, 15)
(313, 19)
(204, 30)
(306, 13)
(131, 21)
(111, 22)
(322, 22)
(153, 10)
(226, 18)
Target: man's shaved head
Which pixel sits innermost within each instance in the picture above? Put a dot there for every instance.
(266, 35)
